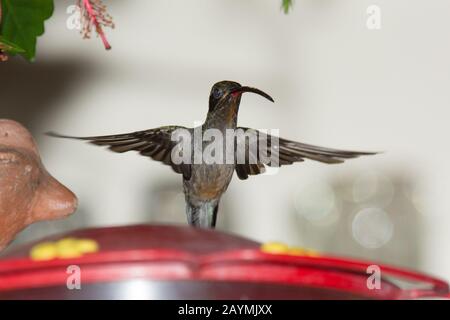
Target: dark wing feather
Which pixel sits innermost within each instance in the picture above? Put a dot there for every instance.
(289, 152)
(154, 143)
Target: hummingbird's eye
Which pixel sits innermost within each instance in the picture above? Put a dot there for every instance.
(217, 93)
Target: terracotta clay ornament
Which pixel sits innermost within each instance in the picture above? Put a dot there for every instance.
(28, 193)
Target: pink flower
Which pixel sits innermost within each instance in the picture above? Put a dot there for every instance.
(94, 14)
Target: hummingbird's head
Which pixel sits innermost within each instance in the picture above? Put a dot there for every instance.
(229, 92)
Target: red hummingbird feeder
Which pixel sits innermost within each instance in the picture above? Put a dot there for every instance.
(175, 262)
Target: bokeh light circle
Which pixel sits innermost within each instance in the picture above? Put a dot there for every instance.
(372, 228)
(315, 202)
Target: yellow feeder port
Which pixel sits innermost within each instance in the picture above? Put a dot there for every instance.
(275, 248)
(87, 246)
(67, 248)
(44, 251)
(281, 248)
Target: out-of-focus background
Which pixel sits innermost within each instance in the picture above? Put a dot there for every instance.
(336, 83)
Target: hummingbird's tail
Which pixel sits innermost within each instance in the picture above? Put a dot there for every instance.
(202, 214)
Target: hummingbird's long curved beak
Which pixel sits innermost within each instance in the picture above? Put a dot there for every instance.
(253, 90)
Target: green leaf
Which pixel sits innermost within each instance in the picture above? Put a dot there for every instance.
(10, 47)
(23, 22)
(286, 5)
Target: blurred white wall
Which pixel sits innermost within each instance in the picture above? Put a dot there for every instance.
(336, 83)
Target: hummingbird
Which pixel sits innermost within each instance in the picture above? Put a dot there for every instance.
(205, 183)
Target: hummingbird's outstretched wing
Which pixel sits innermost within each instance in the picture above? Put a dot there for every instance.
(287, 152)
(154, 143)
